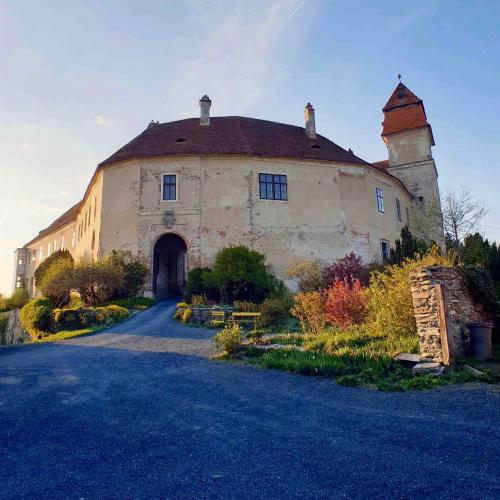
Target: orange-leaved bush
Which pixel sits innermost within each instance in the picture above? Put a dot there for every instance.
(345, 303)
(309, 309)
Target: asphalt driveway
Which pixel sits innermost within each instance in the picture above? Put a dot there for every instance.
(139, 411)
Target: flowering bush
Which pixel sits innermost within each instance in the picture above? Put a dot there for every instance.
(307, 275)
(186, 315)
(227, 341)
(309, 309)
(390, 304)
(345, 304)
(348, 269)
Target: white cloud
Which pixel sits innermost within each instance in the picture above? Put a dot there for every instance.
(63, 193)
(38, 206)
(103, 122)
(236, 60)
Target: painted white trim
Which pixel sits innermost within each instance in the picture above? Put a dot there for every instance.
(176, 187)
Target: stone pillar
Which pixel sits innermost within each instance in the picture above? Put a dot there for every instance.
(443, 306)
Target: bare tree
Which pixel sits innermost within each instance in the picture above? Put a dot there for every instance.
(461, 213)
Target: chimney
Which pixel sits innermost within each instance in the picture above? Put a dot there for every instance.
(205, 103)
(310, 123)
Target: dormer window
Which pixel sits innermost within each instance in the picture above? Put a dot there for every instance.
(315, 146)
(181, 139)
(401, 96)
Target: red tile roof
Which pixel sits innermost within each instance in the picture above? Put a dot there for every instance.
(232, 135)
(381, 165)
(405, 118)
(60, 222)
(402, 96)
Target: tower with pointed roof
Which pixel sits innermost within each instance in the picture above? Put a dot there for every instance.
(409, 140)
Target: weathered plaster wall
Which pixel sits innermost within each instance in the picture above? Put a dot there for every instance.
(410, 160)
(331, 209)
(77, 235)
(459, 309)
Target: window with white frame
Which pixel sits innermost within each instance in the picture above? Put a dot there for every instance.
(40, 255)
(48, 249)
(398, 210)
(380, 200)
(273, 187)
(73, 238)
(169, 187)
(55, 246)
(62, 241)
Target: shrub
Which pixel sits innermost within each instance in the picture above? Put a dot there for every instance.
(117, 313)
(241, 274)
(3, 329)
(345, 305)
(57, 282)
(308, 275)
(199, 300)
(179, 310)
(18, 299)
(245, 306)
(133, 302)
(347, 269)
(35, 317)
(390, 305)
(133, 270)
(68, 319)
(97, 281)
(274, 312)
(57, 256)
(200, 282)
(309, 309)
(186, 314)
(228, 340)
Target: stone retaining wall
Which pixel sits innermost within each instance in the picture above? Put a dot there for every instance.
(13, 334)
(443, 306)
(203, 315)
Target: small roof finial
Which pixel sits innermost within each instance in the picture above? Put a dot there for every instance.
(399, 76)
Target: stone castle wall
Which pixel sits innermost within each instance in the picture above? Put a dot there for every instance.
(443, 306)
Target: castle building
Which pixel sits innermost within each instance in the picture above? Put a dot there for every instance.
(180, 191)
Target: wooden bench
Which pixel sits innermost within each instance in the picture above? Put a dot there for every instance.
(217, 318)
(245, 318)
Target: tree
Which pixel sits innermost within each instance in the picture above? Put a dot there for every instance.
(461, 214)
(45, 265)
(406, 247)
(97, 281)
(494, 262)
(57, 282)
(475, 251)
(134, 273)
(241, 274)
(308, 275)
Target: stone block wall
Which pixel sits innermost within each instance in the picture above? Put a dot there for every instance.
(443, 306)
(13, 333)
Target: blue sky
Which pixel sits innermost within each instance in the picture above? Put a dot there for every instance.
(80, 79)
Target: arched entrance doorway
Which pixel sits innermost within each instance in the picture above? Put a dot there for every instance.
(168, 266)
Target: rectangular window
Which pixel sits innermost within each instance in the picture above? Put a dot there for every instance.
(273, 187)
(407, 216)
(169, 187)
(380, 200)
(33, 256)
(20, 262)
(73, 239)
(40, 255)
(48, 249)
(62, 242)
(95, 206)
(55, 245)
(398, 210)
(384, 247)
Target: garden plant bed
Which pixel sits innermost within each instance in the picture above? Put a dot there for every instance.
(351, 357)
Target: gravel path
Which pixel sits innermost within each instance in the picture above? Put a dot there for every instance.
(139, 411)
